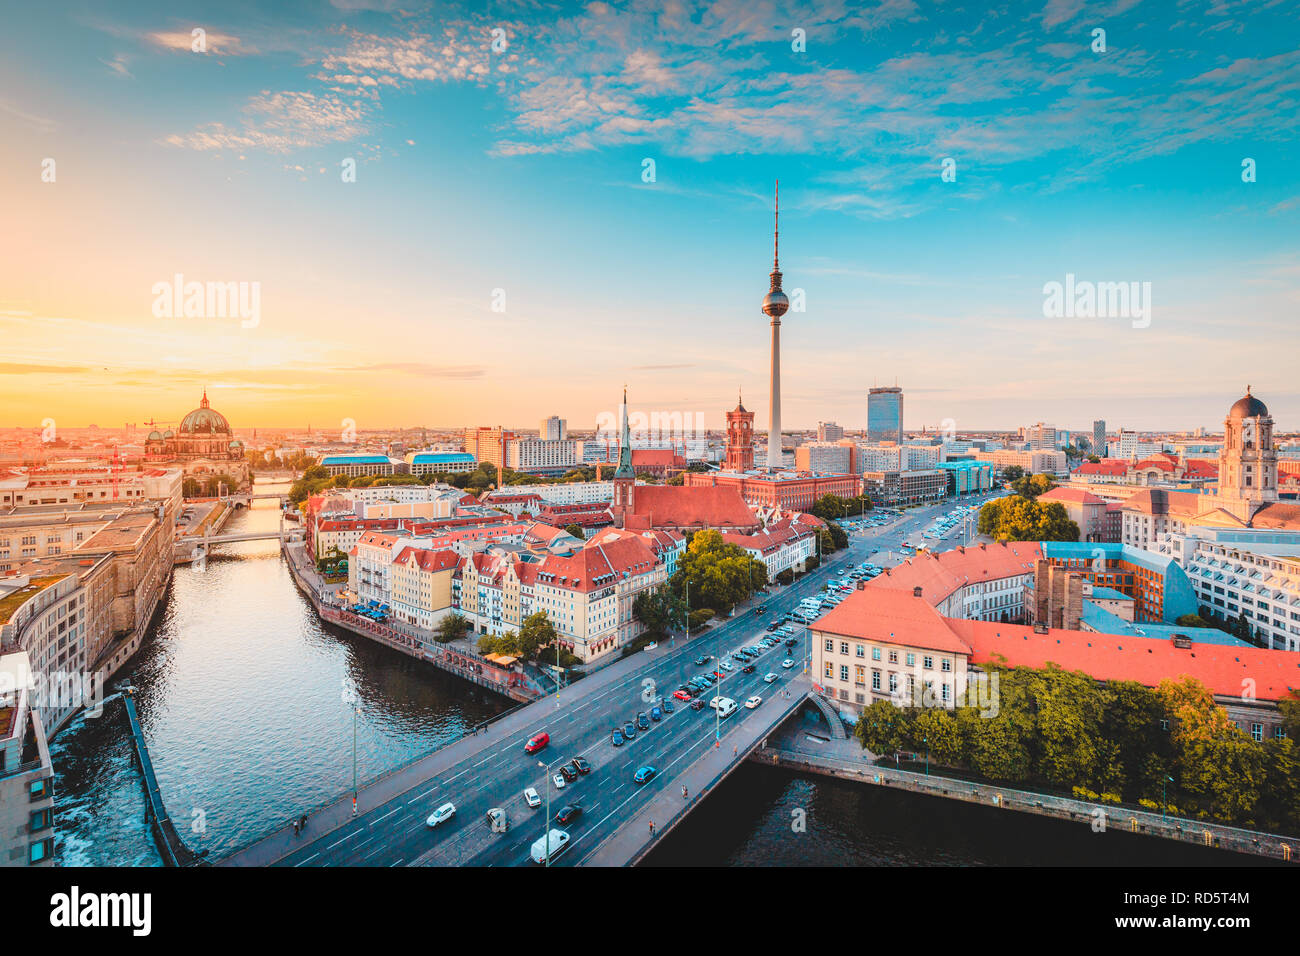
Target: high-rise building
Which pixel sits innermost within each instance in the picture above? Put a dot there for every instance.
(554, 428)
(885, 414)
(1099, 437)
(829, 431)
(775, 305)
(740, 438)
(1040, 436)
(488, 444)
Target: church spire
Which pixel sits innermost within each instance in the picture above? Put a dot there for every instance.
(625, 445)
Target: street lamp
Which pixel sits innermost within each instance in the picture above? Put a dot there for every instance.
(546, 824)
(1167, 779)
(926, 741)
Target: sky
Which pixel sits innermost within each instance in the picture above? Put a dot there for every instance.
(503, 252)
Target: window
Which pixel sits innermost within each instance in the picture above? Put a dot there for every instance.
(1257, 732)
(947, 664)
(911, 660)
(42, 850)
(42, 819)
(860, 650)
(875, 679)
(928, 662)
(830, 646)
(893, 657)
(844, 647)
(40, 789)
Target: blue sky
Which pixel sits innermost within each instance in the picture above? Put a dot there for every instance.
(521, 169)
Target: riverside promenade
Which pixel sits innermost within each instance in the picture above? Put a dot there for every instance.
(846, 760)
(455, 658)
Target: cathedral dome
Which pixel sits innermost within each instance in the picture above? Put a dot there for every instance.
(155, 435)
(205, 420)
(1248, 406)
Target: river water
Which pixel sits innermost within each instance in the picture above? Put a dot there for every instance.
(240, 692)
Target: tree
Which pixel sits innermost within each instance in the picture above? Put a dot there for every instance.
(576, 531)
(882, 727)
(537, 632)
(1016, 518)
(721, 575)
(452, 627)
(1031, 486)
(660, 609)
(1094, 458)
(1012, 472)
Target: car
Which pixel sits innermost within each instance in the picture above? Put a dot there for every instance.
(536, 743)
(629, 730)
(787, 663)
(616, 738)
(642, 721)
(682, 695)
(442, 814)
(769, 678)
(497, 820)
(703, 659)
(753, 701)
(568, 773)
(747, 669)
(532, 798)
(558, 780)
(762, 609)
(667, 706)
(644, 775)
(773, 626)
(718, 675)
(697, 703)
(580, 764)
(791, 641)
(656, 714)
(726, 666)
(568, 813)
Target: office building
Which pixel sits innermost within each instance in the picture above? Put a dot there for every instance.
(885, 414)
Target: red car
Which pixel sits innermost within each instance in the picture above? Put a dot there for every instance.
(537, 743)
(682, 695)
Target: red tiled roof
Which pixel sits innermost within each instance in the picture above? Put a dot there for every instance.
(1107, 466)
(892, 616)
(651, 457)
(684, 506)
(1147, 660)
(1075, 495)
(1158, 501)
(428, 560)
(938, 575)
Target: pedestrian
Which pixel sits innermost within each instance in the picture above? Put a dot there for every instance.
(733, 751)
(652, 828)
(303, 823)
(683, 793)
(295, 827)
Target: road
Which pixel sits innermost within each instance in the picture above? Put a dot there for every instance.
(395, 833)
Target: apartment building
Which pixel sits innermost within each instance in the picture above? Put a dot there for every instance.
(26, 774)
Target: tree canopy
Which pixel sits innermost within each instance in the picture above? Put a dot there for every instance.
(1016, 518)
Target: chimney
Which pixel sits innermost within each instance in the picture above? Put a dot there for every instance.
(1183, 641)
(916, 591)
(982, 546)
(1040, 628)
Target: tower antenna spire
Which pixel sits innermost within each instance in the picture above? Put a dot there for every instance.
(776, 230)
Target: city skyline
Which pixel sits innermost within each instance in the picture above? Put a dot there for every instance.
(225, 166)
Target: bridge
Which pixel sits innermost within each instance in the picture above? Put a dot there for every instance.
(283, 534)
(489, 769)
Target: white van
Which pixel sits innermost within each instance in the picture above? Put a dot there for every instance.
(559, 842)
(725, 706)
